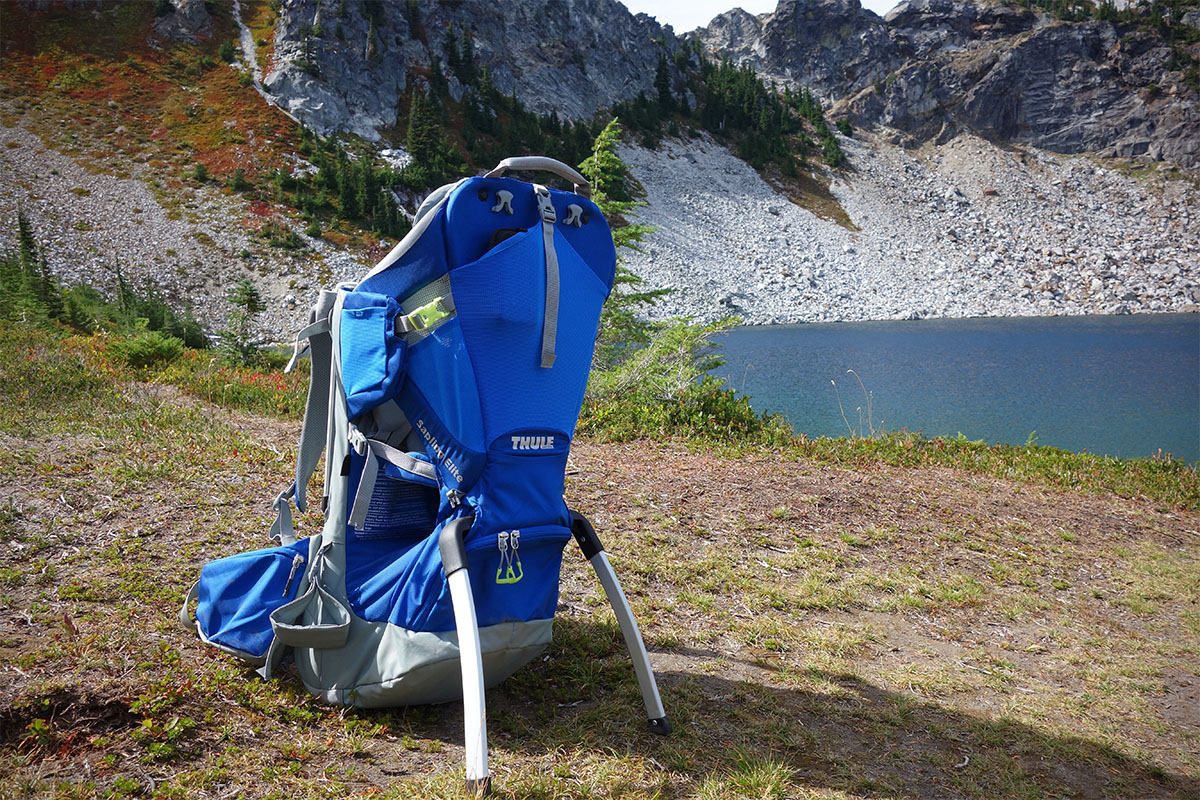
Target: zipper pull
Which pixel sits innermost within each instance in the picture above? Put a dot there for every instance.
(297, 563)
(505, 573)
(454, 497)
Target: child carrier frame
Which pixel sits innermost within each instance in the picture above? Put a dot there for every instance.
(445, 390)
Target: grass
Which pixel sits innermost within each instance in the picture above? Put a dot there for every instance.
(826, 625)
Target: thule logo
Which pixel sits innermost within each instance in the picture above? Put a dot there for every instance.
(532, 442)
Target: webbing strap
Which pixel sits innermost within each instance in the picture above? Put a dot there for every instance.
(282, 528)
(550, 319)
(402, 460)
(366, 487)
(316, 341)
(316, 413)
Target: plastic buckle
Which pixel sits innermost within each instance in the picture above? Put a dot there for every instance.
(545, 205)
(428, 315)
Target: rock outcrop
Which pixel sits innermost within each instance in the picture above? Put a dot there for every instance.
(935, 68)
(187, 21)
(346, 71)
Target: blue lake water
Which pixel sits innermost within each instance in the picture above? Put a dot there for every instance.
(1126, 386)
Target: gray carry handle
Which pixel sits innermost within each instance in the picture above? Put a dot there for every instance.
(582, 187)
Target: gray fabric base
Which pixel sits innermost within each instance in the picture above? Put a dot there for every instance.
(383, 665)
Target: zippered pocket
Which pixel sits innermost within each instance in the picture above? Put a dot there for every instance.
(237, 594)
(514, 573)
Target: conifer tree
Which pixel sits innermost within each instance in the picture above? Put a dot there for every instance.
(48, 289)
(612, 191)
(420, 140)
(662, 84)
(468, 73)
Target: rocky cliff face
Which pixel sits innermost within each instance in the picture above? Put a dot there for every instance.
(935, 68)
(932, 69)
(833, 47)
(338, 68)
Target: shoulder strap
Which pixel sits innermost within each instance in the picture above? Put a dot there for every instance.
(316, 341)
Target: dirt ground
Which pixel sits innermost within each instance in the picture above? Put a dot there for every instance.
(817, 632)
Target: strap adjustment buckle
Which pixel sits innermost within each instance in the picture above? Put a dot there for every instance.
(545, 206)
(427, 316)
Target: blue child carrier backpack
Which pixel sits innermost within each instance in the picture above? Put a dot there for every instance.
(445, 389)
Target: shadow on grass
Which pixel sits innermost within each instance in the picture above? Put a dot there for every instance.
(824, 731)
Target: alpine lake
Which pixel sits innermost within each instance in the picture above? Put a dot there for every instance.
(1126, 386)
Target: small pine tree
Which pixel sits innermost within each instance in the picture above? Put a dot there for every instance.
(26, 243)
(238, 181)
(347, 190)
(612, 190)
(48, 290)
(237, 342)
(421, 139)
(468, 72)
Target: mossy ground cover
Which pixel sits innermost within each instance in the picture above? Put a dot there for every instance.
(821, 626)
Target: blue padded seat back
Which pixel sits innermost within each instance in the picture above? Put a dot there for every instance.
(496, 425)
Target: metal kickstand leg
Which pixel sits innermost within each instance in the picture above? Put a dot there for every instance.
(593, 551)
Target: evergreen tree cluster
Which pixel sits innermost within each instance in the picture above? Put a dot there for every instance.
(352, 189)
(29, 293)
(735, 104)
(1160, 16)
(486, 126)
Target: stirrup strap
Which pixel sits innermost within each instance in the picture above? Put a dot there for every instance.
(374, 450)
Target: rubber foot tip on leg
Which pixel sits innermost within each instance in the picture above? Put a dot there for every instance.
(479, 787)
(660, 726)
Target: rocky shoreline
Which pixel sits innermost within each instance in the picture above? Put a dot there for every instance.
(957, 230)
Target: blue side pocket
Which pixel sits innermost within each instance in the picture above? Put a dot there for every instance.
(238, 593)
(372, 354)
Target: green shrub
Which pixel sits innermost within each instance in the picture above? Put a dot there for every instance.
(147, 348)
(237, 338)
(263, 389)
(280, 235)
(44, 376)
(238, 181)
(705, 410)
